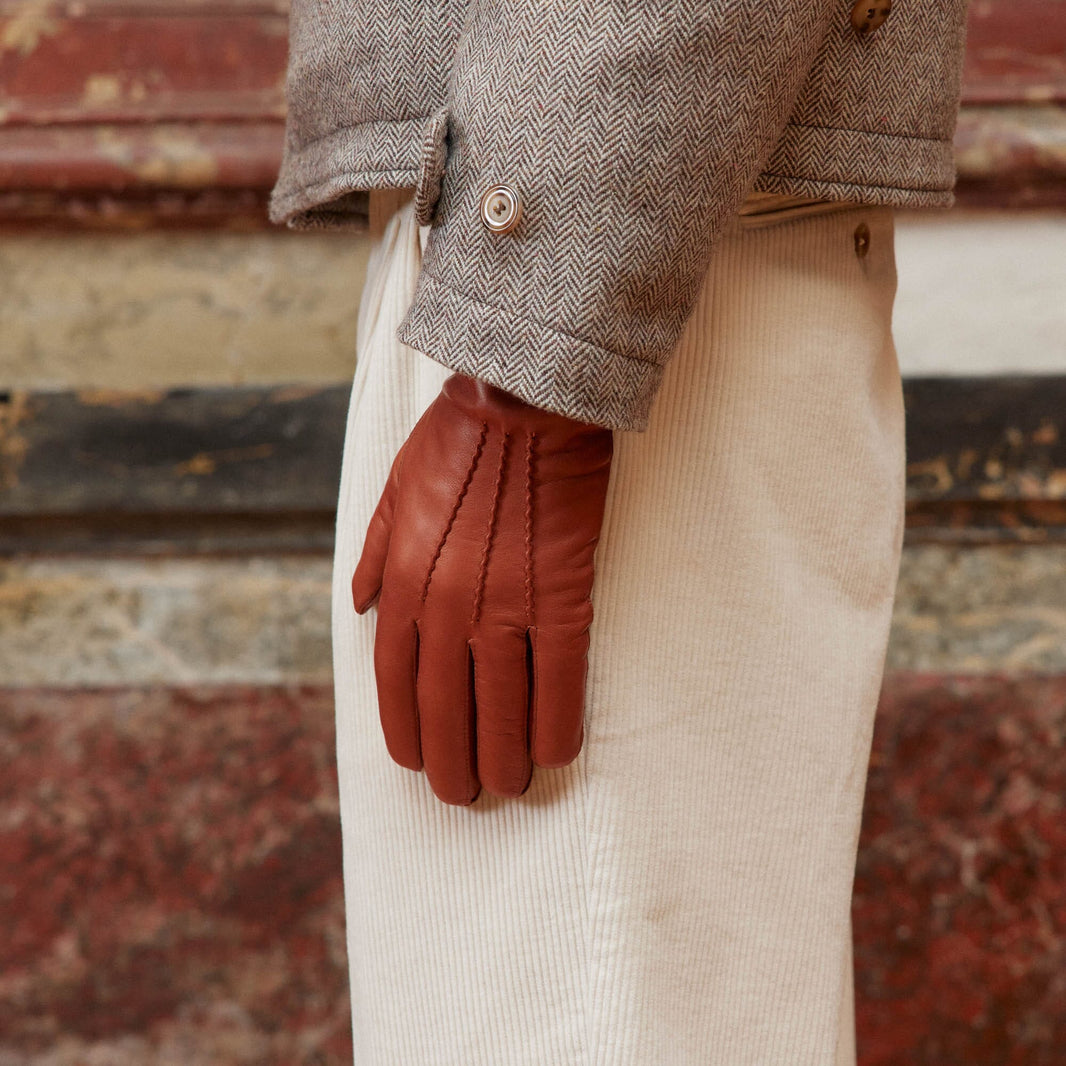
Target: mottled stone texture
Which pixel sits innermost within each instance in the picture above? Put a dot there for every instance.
(84, 621)
(170, 890)
(980, 610)
(960, 902)
(150, 310)
(265, 620)
(147, 311)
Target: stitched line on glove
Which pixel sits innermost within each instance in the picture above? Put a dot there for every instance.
(414, 689)
(529, 528)
(471, 719)
(483, 571)
(455, 509)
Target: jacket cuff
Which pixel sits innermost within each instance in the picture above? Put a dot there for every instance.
(539, 364)
(312, 192)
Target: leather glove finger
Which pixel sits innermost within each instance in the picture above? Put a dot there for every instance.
(560, 663)
(501, 690)
(446, 713)
(395, 665)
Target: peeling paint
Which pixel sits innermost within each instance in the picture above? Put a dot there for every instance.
(101, 89)
(177, 160)
(112, 147)
(32, 21)
(200, 464)
(933, 474)
(119, 397)
(1048, 433)
(205, 463)
(171, 157)
(1006, 142)
(13, 445)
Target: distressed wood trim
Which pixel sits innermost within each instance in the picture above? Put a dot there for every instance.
(257, 469)
(135, 113)
(227, 469)
(1015, 52)
(986, 459)
(97, 62)
(219, 175)
(1011, 157)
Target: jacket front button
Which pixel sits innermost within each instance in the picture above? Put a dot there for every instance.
(867, 15)
(862, 240)
(501, 208)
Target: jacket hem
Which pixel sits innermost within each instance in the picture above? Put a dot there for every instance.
(544, 366)
(852, 192)
(313, 193)
(885, 169)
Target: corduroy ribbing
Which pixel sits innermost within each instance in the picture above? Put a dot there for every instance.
(678, 895)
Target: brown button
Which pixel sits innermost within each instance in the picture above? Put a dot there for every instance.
(501, 208)
(867, 15)
(862, 240)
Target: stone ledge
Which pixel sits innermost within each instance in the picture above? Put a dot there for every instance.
(257, 469)
(265, 620)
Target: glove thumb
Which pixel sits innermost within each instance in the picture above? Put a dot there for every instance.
(369, 571)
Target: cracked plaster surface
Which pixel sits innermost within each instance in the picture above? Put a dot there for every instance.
(266, 620)
(166, 309)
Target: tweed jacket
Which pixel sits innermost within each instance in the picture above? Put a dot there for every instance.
(626, 133)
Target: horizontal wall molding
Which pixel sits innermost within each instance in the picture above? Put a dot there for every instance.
(986, 459)
(1015, 52)
(131, 113)
(257, 469)
(1011, 157)
(218, 469)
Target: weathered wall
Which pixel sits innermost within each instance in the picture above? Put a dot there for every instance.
(132, 311)
(170, 886)
(171, 841)
(979, 292)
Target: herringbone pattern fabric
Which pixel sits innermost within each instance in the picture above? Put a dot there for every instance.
(632, 131)
(364, 79)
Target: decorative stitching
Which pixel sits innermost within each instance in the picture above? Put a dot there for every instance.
(414, 689)
(529, 527)
(372, 125)
(870, 133)
(853, 184)
(484, 568)
(455, 509)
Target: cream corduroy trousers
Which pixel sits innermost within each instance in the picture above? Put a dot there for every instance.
(680, 894)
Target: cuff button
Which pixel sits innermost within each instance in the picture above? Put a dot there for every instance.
(501, 208)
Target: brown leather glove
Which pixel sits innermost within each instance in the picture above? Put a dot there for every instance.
(481, 548)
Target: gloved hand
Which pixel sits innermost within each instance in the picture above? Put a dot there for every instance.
(481, 548)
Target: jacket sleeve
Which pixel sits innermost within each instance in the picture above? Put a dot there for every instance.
(365, 87)
(630, 130)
